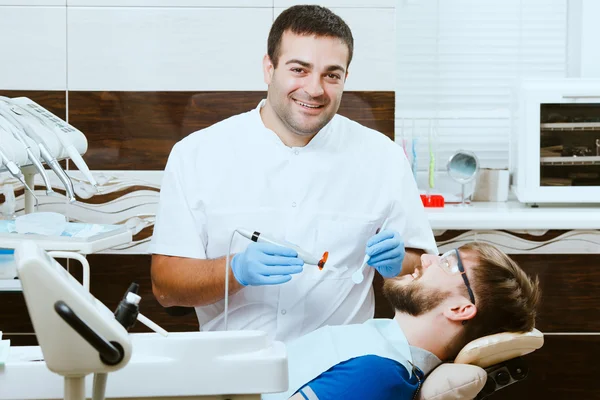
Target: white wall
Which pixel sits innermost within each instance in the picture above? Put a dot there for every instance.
(170, 44)
(33, 49)
(590, 38)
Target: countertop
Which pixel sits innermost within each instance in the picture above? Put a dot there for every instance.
(513, 215)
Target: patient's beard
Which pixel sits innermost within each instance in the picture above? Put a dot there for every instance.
(413, 298)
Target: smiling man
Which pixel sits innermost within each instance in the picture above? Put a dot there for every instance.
(306, 75)
(298, 172)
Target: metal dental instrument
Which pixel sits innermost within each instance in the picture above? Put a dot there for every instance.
(59, 128)
(14, 170)
(34, 160)
(357, 276)
(48, 157)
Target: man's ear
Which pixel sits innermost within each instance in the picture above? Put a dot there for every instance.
(268, 69)
(461, 312)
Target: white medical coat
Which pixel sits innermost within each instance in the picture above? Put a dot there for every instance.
(330, 195)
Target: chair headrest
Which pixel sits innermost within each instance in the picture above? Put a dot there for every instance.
(494, 349)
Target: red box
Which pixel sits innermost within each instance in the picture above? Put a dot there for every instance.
(433, 200)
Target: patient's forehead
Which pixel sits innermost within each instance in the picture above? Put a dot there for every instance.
(469, 258)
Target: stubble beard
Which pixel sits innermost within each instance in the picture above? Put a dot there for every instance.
(412, 298)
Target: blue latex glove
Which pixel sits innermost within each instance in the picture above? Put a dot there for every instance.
(265, 264)
(386, 252)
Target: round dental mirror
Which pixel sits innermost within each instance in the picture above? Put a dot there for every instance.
(463, 167)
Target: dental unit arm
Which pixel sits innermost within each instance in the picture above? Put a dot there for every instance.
(27, 124)
(68, 135)
(42, 134)
(33, 152)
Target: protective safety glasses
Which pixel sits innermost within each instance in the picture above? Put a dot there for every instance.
(451, 264)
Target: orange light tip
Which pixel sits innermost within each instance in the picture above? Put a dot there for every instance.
(323, 260)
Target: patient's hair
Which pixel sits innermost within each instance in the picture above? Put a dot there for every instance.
(506, 297)
(308, 20)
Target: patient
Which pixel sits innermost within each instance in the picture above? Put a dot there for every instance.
(448, 301)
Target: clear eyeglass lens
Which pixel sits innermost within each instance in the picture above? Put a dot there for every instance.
(449, 263)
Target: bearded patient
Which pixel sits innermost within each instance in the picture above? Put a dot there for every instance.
(449, 301)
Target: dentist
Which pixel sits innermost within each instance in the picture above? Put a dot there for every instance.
(295, 170)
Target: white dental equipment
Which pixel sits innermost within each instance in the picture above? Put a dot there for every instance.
(258, 237)
(14, 170)
(238, 365)
(33, 152)
(357, 276)
(83, 238)
(41, 223)
(40, 133)
(74, 145)
(8, 208)
(78, 335)
(14, 151)
(31, 126)
(303, 254)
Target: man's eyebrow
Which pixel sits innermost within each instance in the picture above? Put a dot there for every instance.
(308, 65)
(332, 68)
(300, 62)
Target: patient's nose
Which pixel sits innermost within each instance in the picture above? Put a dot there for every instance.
(427, 260)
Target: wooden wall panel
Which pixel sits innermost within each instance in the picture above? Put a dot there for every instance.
(110, 276)
(136, 130)
(563, 369)
(569, 287)
(53, 101)
(14, 317)
(28, 339)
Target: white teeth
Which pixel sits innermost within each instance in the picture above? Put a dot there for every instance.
(306, 105)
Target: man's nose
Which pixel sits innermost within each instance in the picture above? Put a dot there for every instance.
(314, 86)
(427, 260)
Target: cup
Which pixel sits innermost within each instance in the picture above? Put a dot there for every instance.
(492, 185)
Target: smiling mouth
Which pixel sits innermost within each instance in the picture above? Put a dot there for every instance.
(309, 106)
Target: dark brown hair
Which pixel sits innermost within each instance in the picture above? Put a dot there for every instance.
(308, 20)
(506, 297)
